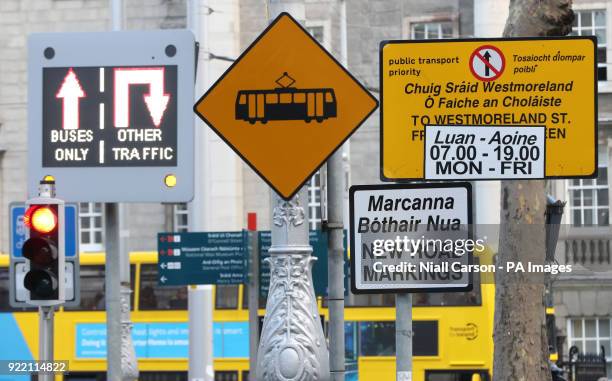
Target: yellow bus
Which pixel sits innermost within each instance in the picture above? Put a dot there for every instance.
(452, 332)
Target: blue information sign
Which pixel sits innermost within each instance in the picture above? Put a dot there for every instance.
(202, 258)
(18, 229)
(318, 241)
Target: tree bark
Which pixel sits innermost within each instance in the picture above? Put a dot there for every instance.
(521, 346)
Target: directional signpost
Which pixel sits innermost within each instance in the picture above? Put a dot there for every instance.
(488, 109)
(202, 258)
(285, 105)
(107, 115)
(18, 269)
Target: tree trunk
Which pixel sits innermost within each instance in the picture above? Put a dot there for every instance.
(521, 347)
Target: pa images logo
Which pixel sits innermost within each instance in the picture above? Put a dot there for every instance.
(469, 331)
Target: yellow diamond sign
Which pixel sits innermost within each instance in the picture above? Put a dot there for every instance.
(285, 105)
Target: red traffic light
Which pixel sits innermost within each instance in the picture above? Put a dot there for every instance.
(43, 219)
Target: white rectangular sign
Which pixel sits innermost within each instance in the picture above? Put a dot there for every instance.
(475, 152)
(407, 237)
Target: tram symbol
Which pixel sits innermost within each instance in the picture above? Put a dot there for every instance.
(286, 103)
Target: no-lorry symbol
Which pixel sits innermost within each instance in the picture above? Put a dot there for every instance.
(487, 63)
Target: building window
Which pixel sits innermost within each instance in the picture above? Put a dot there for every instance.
(314, 201)
(589, 205)
(91, 226)
(180, 219)
(431, 30)
(317, 32)
(589, 335)
(593, 23)
(320, 30)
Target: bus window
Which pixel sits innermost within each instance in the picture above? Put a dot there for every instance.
(350, 340)
(377, 338)
(226, 375)
(453, 299)
(285, 98)
(271, 98)
(92, 288)
(328, 97)
(77, 376)
(155, 297)
(226, 297)
(299, 98)
(242, 99)
(368, 300)
(4, 290)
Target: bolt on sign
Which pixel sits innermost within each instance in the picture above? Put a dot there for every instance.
(285, 105)
(411, 238)
(488, 109)
(109, 115)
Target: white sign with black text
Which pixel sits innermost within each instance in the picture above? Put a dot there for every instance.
(406, 237)
(475, 152)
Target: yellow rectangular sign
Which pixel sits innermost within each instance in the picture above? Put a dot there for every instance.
(433, 93)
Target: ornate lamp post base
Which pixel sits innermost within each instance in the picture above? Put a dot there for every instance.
(292, 346)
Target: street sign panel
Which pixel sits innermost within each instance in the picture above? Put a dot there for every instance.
(116, 108)
(201, 258)
(285, 105)
(408, 238)
(488, 108)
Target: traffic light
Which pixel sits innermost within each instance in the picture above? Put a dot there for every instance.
(44, 249)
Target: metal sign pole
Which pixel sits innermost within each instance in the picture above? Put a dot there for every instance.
(253, 296)
(200, 308)
(45, 350)
(121, 356)
(335, 263)
(403, 336)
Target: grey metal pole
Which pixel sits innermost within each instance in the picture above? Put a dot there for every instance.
(112, 293)
(45, 341)
(253, 304)
(292, 345)
(200, 298)
(335, 258)
(121, 356)
(403, 337)
(335, 264)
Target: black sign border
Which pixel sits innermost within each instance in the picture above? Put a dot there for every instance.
(356, 188)
(383, 43)
(246, 51)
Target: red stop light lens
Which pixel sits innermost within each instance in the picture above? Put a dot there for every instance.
(42, 219)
